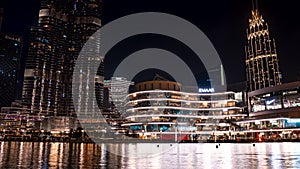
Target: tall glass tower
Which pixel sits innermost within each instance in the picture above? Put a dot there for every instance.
(10, 56)
(64, 26)
(261, 56)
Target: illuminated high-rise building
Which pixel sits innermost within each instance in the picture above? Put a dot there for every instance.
(261, 56)
(10, 55)
(63, 28)
(118, 89)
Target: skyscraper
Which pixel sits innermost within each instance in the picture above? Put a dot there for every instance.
(118, 89)
(261, 56)
(63, 28)
(10, 55)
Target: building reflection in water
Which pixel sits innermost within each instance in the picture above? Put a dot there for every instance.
(65, 155)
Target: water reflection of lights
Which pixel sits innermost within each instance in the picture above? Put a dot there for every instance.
(1, 150)
(65, 155)
(276, 156)
(208, 153)
(40, 151)
(227, 161)
(103, 153)
(81, 155)
(21, 150)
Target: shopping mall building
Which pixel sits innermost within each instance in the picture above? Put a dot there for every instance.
(274, 110)
(160, 110)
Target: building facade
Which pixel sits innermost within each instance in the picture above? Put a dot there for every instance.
(262, 67)
(117, 90)
(10, 55)
(55, 43)
(158, 85)
(274, 113)
(170, 114)
(275, 102)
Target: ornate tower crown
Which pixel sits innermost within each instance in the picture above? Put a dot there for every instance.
(261, 55)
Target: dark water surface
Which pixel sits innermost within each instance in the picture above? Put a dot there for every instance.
(83, 156)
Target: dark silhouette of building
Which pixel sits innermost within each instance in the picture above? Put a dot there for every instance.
(261, 57)
(1, 18)
(55, 42)
(10, 55)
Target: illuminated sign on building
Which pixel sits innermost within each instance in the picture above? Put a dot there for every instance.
(293, 121)
(206, 90)
(268, 102)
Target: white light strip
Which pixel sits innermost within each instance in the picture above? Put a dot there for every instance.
(178, 133)
(179, 100)
(181, 93)
(166, 123)
(268, 130)
(212, 124)
(186, 116)
(221, 132)
(245, 121)
(205, 124)
(182, 108)
(131, 124)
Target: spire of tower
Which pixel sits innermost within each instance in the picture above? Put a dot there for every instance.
(261, 48)
(254, 5)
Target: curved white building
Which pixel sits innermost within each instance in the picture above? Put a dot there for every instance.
(163, 114)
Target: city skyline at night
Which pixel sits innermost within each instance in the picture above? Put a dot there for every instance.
(133, 84)
(64, 27)
(214, 19)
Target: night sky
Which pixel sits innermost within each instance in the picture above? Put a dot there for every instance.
(224, 22)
